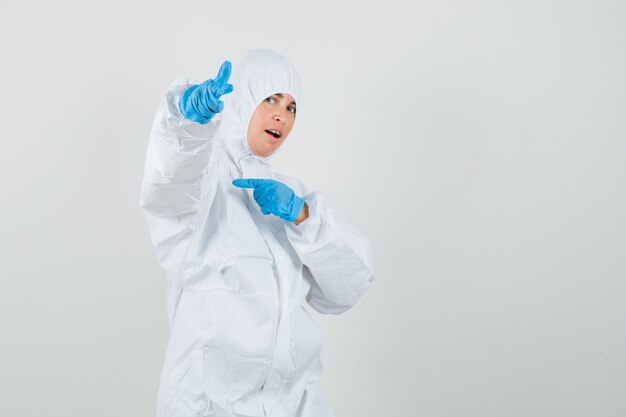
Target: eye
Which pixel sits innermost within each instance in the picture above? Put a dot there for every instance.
(270, 100)
(292, 109)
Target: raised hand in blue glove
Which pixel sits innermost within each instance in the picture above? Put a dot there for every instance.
(273, 197)
(200, 102)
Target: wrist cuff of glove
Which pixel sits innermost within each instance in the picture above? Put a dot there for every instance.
(296, 208)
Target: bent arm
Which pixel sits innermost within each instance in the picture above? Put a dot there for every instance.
(179, 152)
(337, 259)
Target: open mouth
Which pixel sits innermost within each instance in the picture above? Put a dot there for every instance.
(273, 133)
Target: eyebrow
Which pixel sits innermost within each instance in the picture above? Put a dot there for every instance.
(281, 96)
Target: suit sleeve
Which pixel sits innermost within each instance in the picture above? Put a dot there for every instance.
(178, 155)
(337, 259)
(177, 175)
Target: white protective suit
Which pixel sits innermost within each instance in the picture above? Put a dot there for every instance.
(241, 342)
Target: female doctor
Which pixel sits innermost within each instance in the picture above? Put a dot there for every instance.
(243, 247)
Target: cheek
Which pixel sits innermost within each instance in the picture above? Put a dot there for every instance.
(255, 127)
(291, 124)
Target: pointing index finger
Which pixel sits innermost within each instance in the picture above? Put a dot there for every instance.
(247, 182)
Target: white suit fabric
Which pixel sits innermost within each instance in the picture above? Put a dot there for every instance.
(241, 341)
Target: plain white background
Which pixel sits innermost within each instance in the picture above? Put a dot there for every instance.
(480, 145)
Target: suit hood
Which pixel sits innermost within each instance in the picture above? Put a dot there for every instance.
(261, 73)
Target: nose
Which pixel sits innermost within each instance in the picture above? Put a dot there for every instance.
(280, 115)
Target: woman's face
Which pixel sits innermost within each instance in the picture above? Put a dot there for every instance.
(271, 123)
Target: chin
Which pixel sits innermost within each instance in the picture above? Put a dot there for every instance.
(263, 154)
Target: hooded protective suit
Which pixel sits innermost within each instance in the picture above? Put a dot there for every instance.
(241, 342)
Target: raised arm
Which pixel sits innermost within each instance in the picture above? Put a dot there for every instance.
(180, 145)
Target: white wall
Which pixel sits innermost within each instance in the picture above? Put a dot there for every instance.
(480, 145)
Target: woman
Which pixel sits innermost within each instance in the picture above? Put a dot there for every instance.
(243, 247)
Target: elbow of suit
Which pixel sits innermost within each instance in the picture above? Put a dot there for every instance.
(340, 304)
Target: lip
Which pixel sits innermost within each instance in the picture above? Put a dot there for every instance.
(279, 129)
(271, 137)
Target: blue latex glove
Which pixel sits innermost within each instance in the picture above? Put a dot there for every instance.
(200, 102)
(273, 197)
